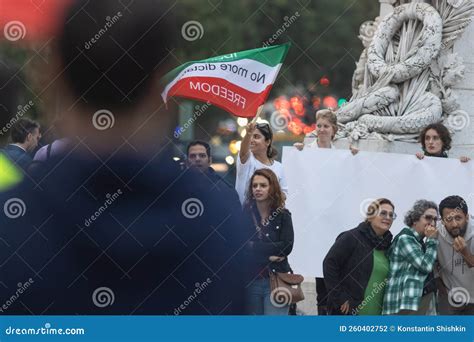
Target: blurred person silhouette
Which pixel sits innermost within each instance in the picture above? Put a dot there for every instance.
(112, 225)
(10, 98)
(25, 135)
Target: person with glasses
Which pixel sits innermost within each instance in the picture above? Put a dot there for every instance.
(356, 267)
(411, 287)
(455, 259)
(436, 142)
(257, 152)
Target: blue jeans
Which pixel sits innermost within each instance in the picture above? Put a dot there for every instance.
(258, 300)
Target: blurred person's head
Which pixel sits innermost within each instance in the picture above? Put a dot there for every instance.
(261, 141)
(326, 124)
(199, 155)
(435, 139)
(108, 61)
(381, 214)
(264, 188)
(26, 133)
(423, 213)
(454, 214)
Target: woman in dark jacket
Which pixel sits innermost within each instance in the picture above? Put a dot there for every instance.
(271, 244)
(356, 267)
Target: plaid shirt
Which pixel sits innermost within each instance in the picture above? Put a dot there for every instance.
(409, 267)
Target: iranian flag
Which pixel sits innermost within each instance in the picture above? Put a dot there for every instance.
(238, 82)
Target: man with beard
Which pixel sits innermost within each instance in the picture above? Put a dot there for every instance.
(456, 259)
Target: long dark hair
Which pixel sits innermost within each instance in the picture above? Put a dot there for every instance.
(443, 133)
(267, 133)
(277, 197)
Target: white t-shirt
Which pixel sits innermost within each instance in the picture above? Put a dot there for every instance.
(245, 172)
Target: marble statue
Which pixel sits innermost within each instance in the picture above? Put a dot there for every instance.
(404, 76)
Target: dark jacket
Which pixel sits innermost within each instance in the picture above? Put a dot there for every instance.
(18, 156)
(218, 180)
(153, 234)
(276, 239)
(348, 265)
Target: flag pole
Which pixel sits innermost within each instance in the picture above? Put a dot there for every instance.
(259, 110)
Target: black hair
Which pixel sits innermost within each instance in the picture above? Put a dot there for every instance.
(199, 142)
(110, 51)
(267, 133)
(453, 202)
(21, 129)
(443, 133)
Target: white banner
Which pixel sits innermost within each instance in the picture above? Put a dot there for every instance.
(329, 191)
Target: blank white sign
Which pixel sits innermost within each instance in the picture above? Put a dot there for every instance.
(330, 189)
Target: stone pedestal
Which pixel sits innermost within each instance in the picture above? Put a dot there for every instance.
(463, 141)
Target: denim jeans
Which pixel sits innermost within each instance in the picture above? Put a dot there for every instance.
(258, 300)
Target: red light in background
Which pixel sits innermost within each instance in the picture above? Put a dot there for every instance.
(281, 102)
(324, 81)
(297, 105)
(330, 102)
(316, 102)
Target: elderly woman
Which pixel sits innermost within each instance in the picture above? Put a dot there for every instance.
(411, 288)
(356, 267)
(436, 142)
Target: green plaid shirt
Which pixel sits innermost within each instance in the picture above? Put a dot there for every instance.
(409, 267)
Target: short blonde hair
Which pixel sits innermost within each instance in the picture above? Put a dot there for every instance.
(329, 115)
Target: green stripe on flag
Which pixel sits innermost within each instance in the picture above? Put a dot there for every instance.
(271, 56)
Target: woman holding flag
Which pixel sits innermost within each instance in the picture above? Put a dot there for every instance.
(257, 152)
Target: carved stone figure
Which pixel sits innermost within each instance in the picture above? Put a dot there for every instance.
(404, 76)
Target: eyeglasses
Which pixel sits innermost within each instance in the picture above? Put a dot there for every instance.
(431, 218)
(387, 214)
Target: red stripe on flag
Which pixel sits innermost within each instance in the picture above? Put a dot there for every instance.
(228, 96)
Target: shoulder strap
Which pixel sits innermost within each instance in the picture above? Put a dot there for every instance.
(48, 150)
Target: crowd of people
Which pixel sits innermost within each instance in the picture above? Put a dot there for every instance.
(173, 228)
